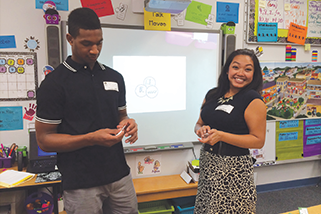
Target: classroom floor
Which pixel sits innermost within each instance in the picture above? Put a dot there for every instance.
(282, 201)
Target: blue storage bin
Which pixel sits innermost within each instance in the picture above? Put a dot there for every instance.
(184, 205)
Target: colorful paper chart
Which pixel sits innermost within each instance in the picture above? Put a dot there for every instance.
(288, 53)
(297, 33)
(293, 54)
(289, 140)
(312, 138)
(314, 56)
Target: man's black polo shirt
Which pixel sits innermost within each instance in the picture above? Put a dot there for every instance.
(80, 101)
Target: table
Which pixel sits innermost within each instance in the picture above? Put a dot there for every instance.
(163, 187)
(147, 189)
(311, 210)
(30, 184)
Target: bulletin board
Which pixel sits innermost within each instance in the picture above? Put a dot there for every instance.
(283, 12)
(18, 76)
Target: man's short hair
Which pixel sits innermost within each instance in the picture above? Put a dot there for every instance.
(82, 18)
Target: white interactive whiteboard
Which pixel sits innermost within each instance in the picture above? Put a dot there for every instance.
(167, 74)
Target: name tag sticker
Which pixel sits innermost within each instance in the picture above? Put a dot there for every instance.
(111, 86)
(227, 108)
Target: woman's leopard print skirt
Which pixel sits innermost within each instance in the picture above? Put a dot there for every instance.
(226, 185)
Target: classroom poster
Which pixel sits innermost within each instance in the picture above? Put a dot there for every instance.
(198, 12)
(148, 164)
(289, 140)
(314, 24)
(8, 41)
(297, 13)
(157, 21)
(60, 4)
(312, 138)
(271, 11)
(283, 12)
(11, 118)
(101, 7)
(267, 32)
(226, 12)
(297, 33)
(292, 90)
(18, 76)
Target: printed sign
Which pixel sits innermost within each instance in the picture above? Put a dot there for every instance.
(157, 21)
(289, 124)
(198, 12)
(267, 32)
(226, 12)
(101, 7)
(297, 34)
(288, 136)
(11, 118)
(7, 42)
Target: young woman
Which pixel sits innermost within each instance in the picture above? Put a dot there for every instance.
(232, 120)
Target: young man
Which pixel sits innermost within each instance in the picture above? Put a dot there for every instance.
(81, 110)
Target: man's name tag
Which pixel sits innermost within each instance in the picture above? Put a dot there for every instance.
(111, 86)
(227, 108)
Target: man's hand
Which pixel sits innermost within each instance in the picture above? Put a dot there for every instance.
(106, 137)
(130, 130)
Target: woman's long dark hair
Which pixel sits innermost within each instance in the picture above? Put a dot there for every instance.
(224, 83)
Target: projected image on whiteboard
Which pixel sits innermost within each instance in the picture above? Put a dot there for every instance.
(153, 83)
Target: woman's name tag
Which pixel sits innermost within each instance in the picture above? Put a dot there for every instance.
(226, 108)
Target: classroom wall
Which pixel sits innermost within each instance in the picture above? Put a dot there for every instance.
(20, 18)
(293, 169)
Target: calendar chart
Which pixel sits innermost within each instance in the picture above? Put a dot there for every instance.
(18, 76)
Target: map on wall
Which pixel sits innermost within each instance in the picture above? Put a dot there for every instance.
(18, 76)
(292, 90)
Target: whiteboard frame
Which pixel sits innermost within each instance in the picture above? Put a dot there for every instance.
(63, 25)
(217, 69)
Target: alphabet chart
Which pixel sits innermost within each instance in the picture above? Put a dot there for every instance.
(18, 76)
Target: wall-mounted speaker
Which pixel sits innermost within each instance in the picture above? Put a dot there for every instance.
(229, 45)
(53, 49)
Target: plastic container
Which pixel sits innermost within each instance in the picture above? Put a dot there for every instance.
(184, 205)
(36, 201)
(8, 161)
(161, 207)
(228, 28)
(5, 162)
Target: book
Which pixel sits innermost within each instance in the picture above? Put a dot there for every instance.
(10, 178)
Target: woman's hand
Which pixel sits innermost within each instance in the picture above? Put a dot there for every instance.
(203, 131)
(211, 137)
